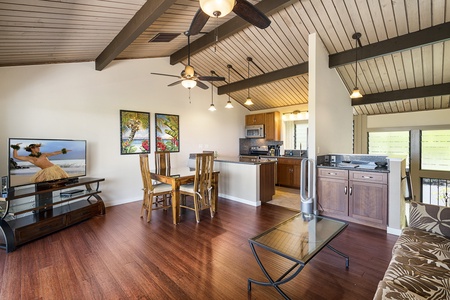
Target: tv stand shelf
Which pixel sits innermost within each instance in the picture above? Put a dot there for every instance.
(30, 213)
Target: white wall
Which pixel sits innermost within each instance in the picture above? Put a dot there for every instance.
(410, 119)
(330, 111)
(73, 101)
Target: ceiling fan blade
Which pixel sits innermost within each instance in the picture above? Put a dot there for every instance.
(175, 83)
(251, 14)
(198, 22)
(161, 74)
(202, 85)
(211, 78)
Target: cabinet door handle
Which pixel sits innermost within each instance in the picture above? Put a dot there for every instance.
(351, 190)
(345, 191)
(367, 177)
(329, 173)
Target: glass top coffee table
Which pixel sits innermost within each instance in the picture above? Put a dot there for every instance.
(298, 239)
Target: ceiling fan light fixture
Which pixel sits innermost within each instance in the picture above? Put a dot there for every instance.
(189, 83)
(189, 71)
(355, 94)
(248, 101)
(217, 8)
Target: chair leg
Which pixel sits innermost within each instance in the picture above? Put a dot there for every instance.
(197, 209)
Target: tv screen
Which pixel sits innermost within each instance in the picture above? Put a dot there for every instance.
(44, 160)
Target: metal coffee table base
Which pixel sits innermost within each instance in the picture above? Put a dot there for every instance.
(283, 279)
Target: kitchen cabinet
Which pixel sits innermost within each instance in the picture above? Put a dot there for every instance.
(255, 119)
(355, 196)
(271, 122)
(272, 126)
(288, 172)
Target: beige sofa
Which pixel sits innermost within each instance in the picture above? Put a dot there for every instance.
(420, 264)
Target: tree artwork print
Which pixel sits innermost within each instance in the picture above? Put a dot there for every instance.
(134, 132)
(167, 132)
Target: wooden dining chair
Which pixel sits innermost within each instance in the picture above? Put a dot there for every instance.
(162, 162)
(155, 196)
(201, 189)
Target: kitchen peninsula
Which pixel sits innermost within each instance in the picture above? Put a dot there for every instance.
(250, 182)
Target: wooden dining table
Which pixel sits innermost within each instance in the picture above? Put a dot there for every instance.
(179, 176)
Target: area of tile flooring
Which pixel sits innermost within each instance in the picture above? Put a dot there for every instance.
(286, 197)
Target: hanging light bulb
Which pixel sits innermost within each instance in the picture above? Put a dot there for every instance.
(248, 101)
(229, 105)
(356, 94)
(217, 8)
(212, 107)
(189, 83)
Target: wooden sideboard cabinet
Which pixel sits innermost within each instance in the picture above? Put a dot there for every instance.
(288, 172)
(355, 196)
(271, 122)
(31, 213)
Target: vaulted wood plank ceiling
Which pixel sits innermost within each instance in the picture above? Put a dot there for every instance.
(38, 32)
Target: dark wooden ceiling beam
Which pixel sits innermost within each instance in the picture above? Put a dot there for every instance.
(236, 24)
(148, 13)
(285, 73)
(413, 93)
(416, 39)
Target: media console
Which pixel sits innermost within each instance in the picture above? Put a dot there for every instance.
(30, 213)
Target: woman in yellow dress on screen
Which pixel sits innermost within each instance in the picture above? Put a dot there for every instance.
(49, 171)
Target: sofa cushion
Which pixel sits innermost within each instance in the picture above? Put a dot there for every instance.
(426, 244)
(431, 218)
(417, 275)
(389, 291)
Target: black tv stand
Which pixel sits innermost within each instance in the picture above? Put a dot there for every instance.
(31, 213)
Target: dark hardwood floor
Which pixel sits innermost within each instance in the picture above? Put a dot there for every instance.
(120, 256)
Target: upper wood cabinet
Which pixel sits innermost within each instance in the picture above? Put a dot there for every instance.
(271, 122)
(256, 119)
(272, 126)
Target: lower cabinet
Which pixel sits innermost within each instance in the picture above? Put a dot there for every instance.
(356, 196)
(288, 172)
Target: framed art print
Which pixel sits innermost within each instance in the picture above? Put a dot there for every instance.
(167, 132)
(134, 132)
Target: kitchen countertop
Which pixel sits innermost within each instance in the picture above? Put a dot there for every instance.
(355, 167)
(236, 160)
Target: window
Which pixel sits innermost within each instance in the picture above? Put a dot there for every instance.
(296, 135)
(391, 143)
(435, 154)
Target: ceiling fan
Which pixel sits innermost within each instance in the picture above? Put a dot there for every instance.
(220, 8)
(188, 77)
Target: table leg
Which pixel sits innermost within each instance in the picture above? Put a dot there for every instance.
(347, 258)
(277, 282)
(176, 202)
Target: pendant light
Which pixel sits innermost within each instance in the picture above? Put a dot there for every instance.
(356, 94)
(212, 107)
(217, 8)
(229, 105)
(248, 101)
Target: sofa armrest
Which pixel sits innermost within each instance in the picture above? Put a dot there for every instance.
(431, 218)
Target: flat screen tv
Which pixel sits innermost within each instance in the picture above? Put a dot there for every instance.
(35, 161)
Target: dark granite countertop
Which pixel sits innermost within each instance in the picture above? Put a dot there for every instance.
(355, 167)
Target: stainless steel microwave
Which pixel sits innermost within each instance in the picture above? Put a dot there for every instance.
(254, 131)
